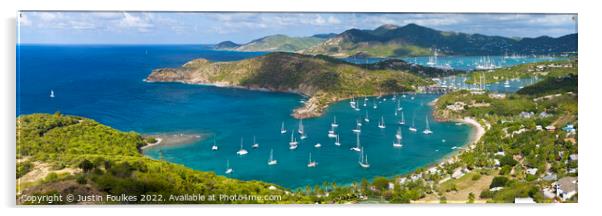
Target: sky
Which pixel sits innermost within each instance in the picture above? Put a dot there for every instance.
(123, 27)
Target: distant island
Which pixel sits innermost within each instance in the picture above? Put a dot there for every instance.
(409, 40)
(323, 79)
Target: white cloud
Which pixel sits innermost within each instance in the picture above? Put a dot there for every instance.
(142, 24)
(24, 20)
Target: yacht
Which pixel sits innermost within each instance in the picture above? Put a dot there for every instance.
(427, 130)
(363, 162)
(402, 121)
(228, 169)
(334, 122)
(214, 147)
(381, 124)
(332, 133)
(413, 127)
(242, 151)
(255, 144)
(282, 129)
(318, 145)
(357, 147)
(311, 163)
(271, 161)
(337, 142)
(51, 94)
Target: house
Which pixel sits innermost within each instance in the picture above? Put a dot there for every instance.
(569, 128)
(573, 157)
(550, 128)
(566, 188)
(526, 114)
(523, 200)
(550, 177)
(458, 172)
(532, 171)
(497, 95)
(457, 106)
(538, 127)
(544, 114)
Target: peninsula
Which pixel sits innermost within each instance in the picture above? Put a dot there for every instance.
(323, 79)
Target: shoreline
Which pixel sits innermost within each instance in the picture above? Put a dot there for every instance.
(172, 139)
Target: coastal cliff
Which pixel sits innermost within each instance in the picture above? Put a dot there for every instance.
(323, 79)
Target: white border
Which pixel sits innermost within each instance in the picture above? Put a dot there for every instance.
(589, 50)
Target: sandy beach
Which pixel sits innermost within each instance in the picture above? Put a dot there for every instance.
(172, 139)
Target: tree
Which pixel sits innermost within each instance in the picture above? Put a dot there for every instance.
(86, 165)
(471, 197)
(381, 183)
(364, 185)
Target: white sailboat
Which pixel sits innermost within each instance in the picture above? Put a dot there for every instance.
(402, 121)
(375, 106)
(228, 169)
(293, 143)
(51, 93)
(332, 132)
(399, 108)
(318, 145)
(337, 141)
(398, 137)
(255, 144)
(334, 122)
(413, 128)
(352, 103)
(214, 147)
(363, 162)
(366, 119)
(271, 161)
(357, 128)
(381, 124)
(365, 102)
(311, 163)
(427, 130)
(507, 84)
(300, 130)
(242, 151)
(282, 129)
(357, 147)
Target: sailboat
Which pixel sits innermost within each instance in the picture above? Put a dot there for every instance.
(300, 130)
(398, 137)
(282, 129)
(334, 122)
(507, 84)
(311, 163)
(242, 151)
(293, 143)
(271, 161)
(366, 119)
(352, 103)
(375, 106)
(413, 128)
(357, 147)
(51, 94)
(255, 144)
(381, 124)
(402, 121)
(427, 130)
(214, 147)
(332, 133)
(363, 162)
(337, 142)
(399, 108)
(318, 145)
(357, 128)
(228, 169)
(365, 102)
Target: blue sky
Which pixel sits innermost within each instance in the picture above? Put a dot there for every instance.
(209, 28)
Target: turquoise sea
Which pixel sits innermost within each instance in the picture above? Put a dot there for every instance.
(105, 83)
